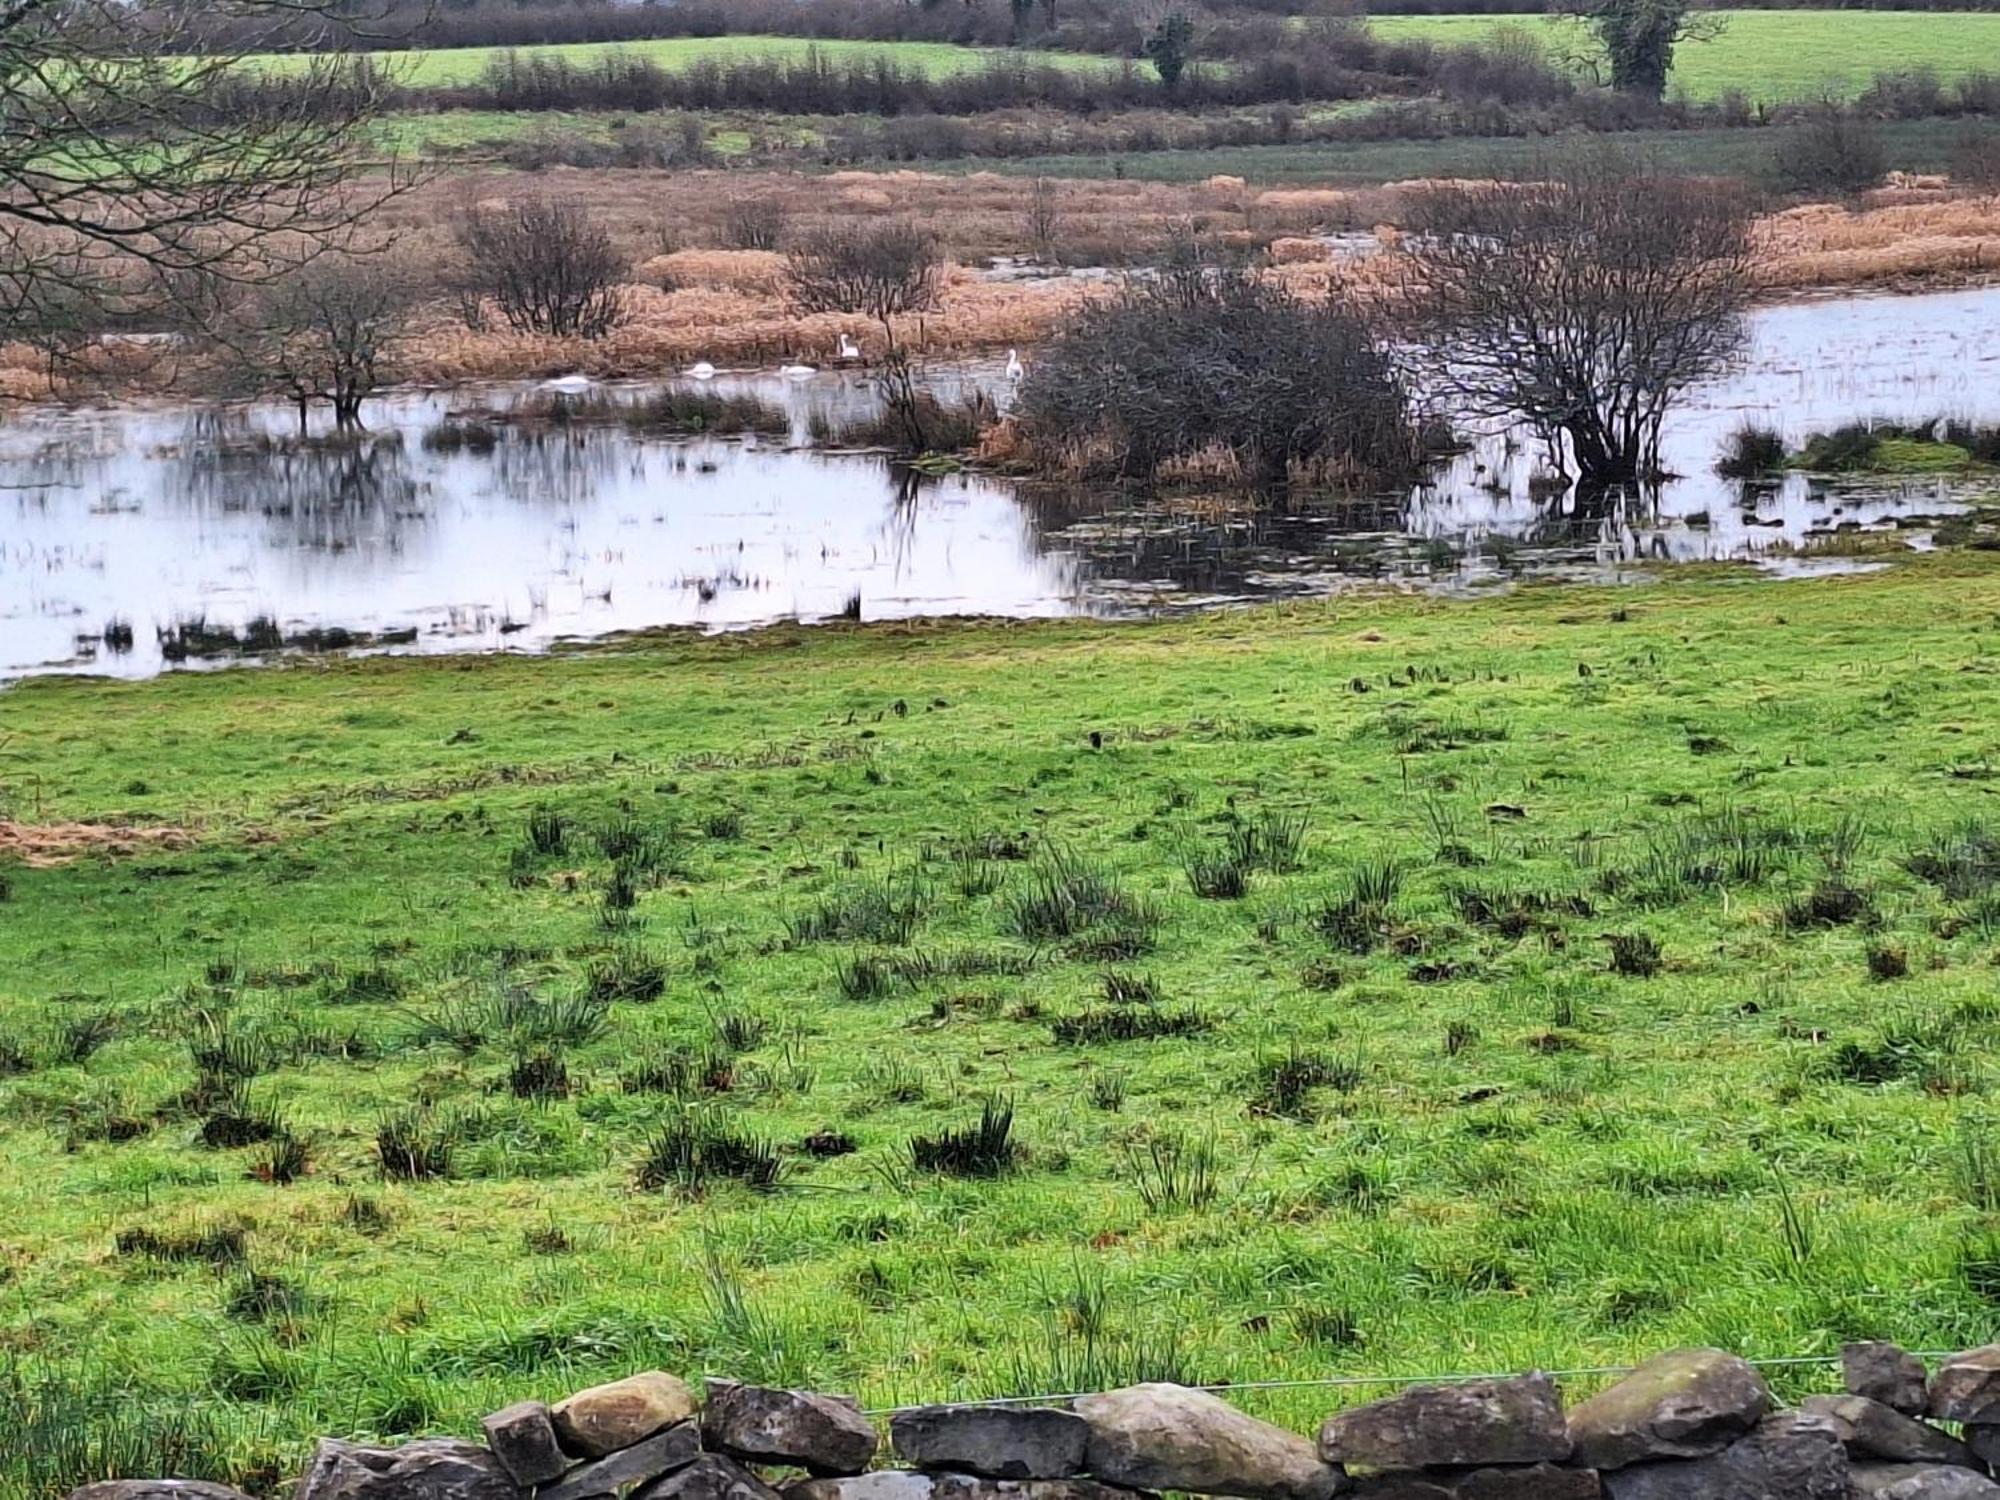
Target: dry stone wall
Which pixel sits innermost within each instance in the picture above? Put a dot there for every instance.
(1694, 1424)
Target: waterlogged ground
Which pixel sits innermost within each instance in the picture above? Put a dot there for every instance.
(156, 516)
(1379, 985)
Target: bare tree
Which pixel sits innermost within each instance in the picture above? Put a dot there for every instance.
(328, 332)
(130, 151)
(882, 270)
(759, 223)
(546, 265)
(1044, 215)
(1585, 303)
(1638, 37)
(1206, 360)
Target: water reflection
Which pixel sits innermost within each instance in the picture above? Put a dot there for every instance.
(156, 514)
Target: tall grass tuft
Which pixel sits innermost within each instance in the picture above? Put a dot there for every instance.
(699, 1146)
(1175, 1171)
(985, 1149)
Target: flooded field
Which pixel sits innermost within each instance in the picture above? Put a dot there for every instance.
(125, 523)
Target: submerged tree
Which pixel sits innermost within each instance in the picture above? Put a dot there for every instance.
(1584, 303)
(1638, 37)
(132, 153)
(329, 332)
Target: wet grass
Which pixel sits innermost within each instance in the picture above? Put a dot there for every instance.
(704, 1011)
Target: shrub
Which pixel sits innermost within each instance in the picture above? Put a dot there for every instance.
(1834, 151)
(756, 223)
(1752, 453)
(1222, 376)
(545, 264)
(880, 270)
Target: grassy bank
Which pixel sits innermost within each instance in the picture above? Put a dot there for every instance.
(1780, 55)
(1609, 971)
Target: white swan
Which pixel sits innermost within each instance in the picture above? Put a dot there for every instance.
(1015, 370)
(797, 372)
(569, 385)
(702, 371)
(848, 348)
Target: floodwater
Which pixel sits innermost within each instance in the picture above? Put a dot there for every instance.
(153, 516)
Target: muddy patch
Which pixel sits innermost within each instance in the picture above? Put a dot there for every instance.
(43, 846)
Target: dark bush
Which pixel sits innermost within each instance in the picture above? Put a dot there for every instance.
(1834, 151)
(1752, 453)
(881, 270)
(1211, 370)
(545, 265)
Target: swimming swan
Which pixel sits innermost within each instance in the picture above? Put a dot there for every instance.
(1014, 368)
(848, 348)
(569, 385)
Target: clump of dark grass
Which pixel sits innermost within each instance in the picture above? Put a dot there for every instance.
(1832, 902)
(698, 1147)
(263, 1297)
(892, 1081)
(1107, 1091)
(1707, 851)
(1272, 841)
(1847, 449)
(1515, 913)
(635, 846)
(417, 1144)
(213, 1243)
(723, 824)
(1175, 1171)
(1359, 918)
(515, 1016)
(1458, 1036)
(371, 984)
(79, 1038)
(628, 972)
(1887, 961)
(1924, 1047)
(885, 911)
(1752, 452)
(1420, 735)
(984, 1149)
(1635, 955)
(1127, 1023)
(867, 976)
(547, 1239)
(741, 1031)
(1963, 862)
(1217, 876)
(682, 1072)
(548, 831)
(974, 875)
(234, 1122)
(823, 1145)
(1284, 1085)
(282, 1160)
(677, 411)
(1066, 896)
(540, 1074)
(1121, 988)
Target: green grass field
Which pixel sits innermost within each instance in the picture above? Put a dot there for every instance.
(1767, 55)
(937, 59)
(1611, 970)
(1778, 55)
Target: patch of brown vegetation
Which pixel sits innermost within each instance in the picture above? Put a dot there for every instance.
(42, 846)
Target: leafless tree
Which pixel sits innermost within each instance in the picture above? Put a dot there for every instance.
(1585, 302)
(882, 270)
(545, 264)
(328, 332)
(1637, 38)
(130, 153)
(1044, 220)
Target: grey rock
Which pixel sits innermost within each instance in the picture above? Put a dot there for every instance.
(616, 1415)
(428, 1469)
(1884, 1372)
(662, 1453)
(1520, 1482)
(1169, 1437)
(1966, 1387)
(902, 1484)
(1921, 1482)
(156, 1489)
(823, 1434)
(1789, 1456)
(1000, 1442)
(1984, 1441)
(710, 1477)
(1517, 1421)
(523, 1438)
(1872, 1430)
(1686, 1404)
